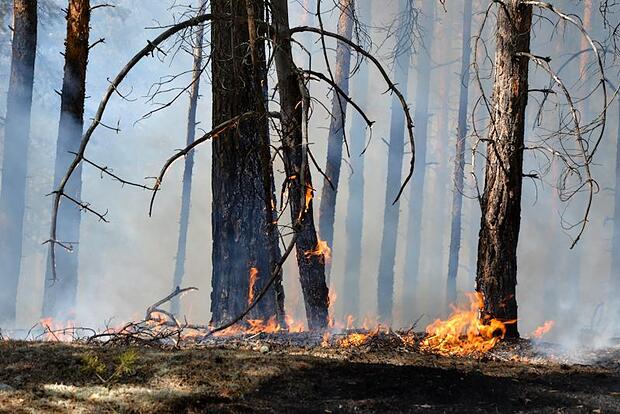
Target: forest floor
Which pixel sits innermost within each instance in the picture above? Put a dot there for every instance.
(256, 375)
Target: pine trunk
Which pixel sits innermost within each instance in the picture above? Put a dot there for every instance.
(335, 139)
(14, 168)
(244, 236)
(501, 201)
(60, 295)
(385, 289)
(459, 157)
(311, 267)
(179, 268)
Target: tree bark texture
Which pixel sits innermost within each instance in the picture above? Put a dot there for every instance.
(496, 275)
(244, 234)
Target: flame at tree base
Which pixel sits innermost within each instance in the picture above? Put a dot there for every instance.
(464, 332)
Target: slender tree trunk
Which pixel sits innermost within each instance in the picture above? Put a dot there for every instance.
(459, 157)
(60, 295)
(416, 194)
(16, 138)
(385, 290)
(501, 201)
(244, 236)
(327, 213)
(311, 267)
(614, 292)
(179, 268)
(355, 204)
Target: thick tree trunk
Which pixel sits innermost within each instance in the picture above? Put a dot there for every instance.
(179, 267)
(459, 157)
(16, 137)
(385, 290)
(244, 236)
(501, 201)
(335, 139)
(416, 191)
(354, 222)
(311, 267)
(60, 295)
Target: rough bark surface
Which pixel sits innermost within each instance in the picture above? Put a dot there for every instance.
(335, 139)
(179, 266)
(244, 235)
(496, 275)
(60, 295)
(311, 267)
(385, 290)
(16, 138)
(459, 157)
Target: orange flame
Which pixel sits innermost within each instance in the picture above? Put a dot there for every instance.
(322, 250)
(309, 195)
(464, 333)
(253, 277)
(542, 330)
(57, 331)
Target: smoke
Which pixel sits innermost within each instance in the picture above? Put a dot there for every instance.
(128, 264)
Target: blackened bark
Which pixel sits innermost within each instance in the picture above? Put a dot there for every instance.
(354, 222)
(311, 267)
(501, 201)
(60, 295)
(244, 235)
(385, 289)
(335, 139)
(416, 195)
(459, 157)
(179, 267)
(16, 138)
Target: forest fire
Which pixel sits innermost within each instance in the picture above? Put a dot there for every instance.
(542, 330)
(253, 278)
(322, 250)
(464, 333)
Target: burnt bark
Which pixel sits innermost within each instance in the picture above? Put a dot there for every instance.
(244, 233)
(14, 166)
(385, 289)
(60, 295)
(501, 201)
(299, 180)
(354, 222)
(335, 139)
(416, 195)
(459, 157)
(179, 266)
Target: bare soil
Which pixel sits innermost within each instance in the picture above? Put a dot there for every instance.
(256, 375)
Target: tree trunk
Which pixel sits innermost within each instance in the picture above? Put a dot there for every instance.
(459, 157)
(355, 204)
(416, 194)
(244, 236)
(385, 290)
(179, 268)
(16, 137)
(327, 211)
(614, 292)
(311, 267)
(60, 295)
(501, 201)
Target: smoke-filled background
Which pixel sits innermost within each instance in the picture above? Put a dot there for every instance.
(128, 264)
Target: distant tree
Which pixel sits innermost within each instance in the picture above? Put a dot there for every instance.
(14, 166)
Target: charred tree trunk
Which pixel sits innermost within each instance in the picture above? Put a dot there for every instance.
(60, 295)
(244, 236)
(385, 290)
(335, 139)
(16, 138)
(311, 267)
(459, 157)
(416, 195)
(354, 223)
(179, 268)
(501, 201)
